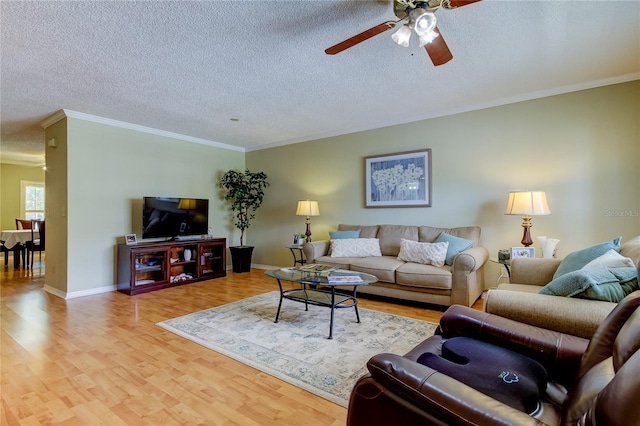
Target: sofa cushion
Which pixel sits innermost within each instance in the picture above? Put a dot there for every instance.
(606, 284)
(426, 253)
(578, 259)
(456, 245)
(611, 259)
(430, 234)
(370, 231)
(391, 235)
(384, 268)
(418, 275)
(355, 247)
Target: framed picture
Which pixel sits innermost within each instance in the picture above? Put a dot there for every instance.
(131, 239)
(399, 180)
(517, 252)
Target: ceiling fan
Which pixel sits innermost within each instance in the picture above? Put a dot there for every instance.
(421, 19)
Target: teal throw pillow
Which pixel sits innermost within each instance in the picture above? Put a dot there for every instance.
(580, 258)
(342, 235)
(456, 245)
(606, 284)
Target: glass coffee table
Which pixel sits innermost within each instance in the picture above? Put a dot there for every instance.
(319, 289)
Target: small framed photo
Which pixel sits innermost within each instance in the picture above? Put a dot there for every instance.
(131, 239)
(517, 252)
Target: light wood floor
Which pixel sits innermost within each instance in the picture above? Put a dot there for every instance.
(101, 360)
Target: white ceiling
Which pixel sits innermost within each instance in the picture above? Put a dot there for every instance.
(190, 67)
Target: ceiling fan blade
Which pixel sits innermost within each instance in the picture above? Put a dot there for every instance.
(452, 4)
(359, 38)
(438, 50)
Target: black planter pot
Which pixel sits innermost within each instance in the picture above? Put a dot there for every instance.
(241, 258)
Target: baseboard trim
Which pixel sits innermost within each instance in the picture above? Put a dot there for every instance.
(82, 293)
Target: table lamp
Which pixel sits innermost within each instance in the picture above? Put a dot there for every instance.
(308, 208)
(527, 204)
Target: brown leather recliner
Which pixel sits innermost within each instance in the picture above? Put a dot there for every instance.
(590, 382)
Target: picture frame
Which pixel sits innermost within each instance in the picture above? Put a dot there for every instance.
(517, 252)
(131, 239)
(398, 180)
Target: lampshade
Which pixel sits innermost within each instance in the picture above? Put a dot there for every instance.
(527, 203)
(307, 208)
(187, 204)
(402, 36)
(428, 38)
(425, 22)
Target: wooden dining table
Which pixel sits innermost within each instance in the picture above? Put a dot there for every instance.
(15, 240)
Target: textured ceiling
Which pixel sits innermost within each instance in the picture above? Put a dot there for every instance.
(190, 67)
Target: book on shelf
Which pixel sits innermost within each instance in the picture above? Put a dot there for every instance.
(344, 279)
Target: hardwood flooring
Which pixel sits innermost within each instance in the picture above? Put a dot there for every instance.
(101, 360)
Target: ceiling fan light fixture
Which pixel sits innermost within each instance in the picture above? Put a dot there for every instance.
(428, 38)
(402, 36)
(423, 22)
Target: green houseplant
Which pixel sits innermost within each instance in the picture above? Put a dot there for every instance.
(245, 193)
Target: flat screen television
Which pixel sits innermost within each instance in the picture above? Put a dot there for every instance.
(164, 217)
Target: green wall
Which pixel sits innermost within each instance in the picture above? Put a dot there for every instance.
(109, 169)
(10, 177)
(582, 148)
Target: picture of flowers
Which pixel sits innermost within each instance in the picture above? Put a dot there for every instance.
(399, 180)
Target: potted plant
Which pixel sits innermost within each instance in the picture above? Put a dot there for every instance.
(245, 192)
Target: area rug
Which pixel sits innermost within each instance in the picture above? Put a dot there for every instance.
(296, 349)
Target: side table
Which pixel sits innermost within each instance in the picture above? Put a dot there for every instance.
(507, 267)
(298, 255)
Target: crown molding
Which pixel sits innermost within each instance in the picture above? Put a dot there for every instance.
(67, 113)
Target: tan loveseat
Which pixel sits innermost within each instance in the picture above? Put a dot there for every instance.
(460, 283)
(520, 301)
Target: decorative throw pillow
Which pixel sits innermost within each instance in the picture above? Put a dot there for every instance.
(341, 235)
(456, 245)
(425, 253)
(578, 259)
(505, 375)
(606, 284)
(355, 247)
(611, 259)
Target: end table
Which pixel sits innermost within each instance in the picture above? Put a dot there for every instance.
(298, 255)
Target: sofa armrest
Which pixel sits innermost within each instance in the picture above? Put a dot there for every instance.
(444, 398)
(533, 271)
(471, 259)
(560, 353)
(577, 317)
(315, 249)
(467, 280)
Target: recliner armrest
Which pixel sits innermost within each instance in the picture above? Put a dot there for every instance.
(445, 398)
(559, 353)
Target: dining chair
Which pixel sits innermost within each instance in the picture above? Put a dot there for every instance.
(4, 249)
(36, 244)
(24, 224)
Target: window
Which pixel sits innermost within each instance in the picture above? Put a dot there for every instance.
(32, 200)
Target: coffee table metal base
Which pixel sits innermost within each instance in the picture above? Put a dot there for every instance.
(327, 298)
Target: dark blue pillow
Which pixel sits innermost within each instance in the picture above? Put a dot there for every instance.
(506, 376)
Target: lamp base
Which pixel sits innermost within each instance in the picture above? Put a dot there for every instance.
(526, 236)
(308, 233)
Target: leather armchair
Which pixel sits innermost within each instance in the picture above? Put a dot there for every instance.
(593, 382)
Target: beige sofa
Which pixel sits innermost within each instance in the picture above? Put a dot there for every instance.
(520, 301)
(460, 283)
